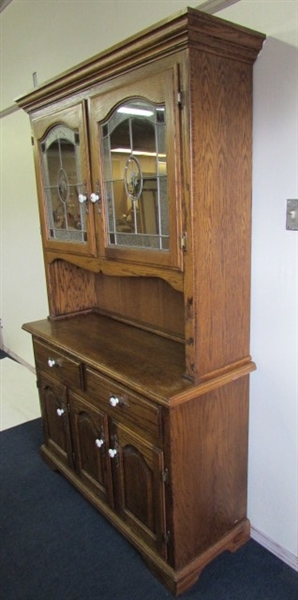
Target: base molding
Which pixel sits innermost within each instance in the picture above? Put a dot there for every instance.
(176, 581)
(287, 557)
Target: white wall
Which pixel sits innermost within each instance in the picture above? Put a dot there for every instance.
(274, 391)
(49, 37)
(273, 458)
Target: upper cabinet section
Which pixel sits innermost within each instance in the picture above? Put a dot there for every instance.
(131, 144)
(135, 157)
(62, 169)
(121, 201)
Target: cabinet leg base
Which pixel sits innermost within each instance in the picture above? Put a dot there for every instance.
(177, 581)
(180, 581)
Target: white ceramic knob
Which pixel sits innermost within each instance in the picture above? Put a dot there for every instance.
(60, 412)
(82, 198)
(114, 401)
(112, 452)
(99, 443)
(94, 197)
(51, 362)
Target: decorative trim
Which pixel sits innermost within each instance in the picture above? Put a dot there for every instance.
(287, 557)
(213, 6)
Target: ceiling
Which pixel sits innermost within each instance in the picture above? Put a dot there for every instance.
(210, 6)
(275, 18)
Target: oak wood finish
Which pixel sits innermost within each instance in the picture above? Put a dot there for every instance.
(145, 398)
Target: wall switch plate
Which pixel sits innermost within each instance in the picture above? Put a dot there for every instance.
(292, 214)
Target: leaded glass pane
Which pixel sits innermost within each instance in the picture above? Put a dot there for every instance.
(164, 213)
(62, 176)
(135, 176)
(107, 162)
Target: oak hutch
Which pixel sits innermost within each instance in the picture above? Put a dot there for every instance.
(143, 167)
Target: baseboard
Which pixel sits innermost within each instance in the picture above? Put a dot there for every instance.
(287, 557)
(19, 359)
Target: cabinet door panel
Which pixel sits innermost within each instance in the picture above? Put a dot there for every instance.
(63, 178)
(136, 158)
(90, 432)
(139, 488)
(53, 400)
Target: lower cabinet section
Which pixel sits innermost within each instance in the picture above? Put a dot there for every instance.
(113, 462)
(169, 472)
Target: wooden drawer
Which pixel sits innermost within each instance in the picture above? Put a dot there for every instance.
(126, 407)
(59, 366)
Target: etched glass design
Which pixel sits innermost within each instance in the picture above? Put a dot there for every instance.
(135, 176)
(62, 178)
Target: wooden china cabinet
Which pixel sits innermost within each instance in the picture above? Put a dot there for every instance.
(143, 167)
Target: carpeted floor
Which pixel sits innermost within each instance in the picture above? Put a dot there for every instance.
(55, 546)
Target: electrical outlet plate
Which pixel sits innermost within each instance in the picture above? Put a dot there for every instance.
(292, 214)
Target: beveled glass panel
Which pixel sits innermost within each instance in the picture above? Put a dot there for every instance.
(135, 176)
(62, 176)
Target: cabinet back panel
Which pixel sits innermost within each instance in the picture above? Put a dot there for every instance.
(147, 302)
(71, 289)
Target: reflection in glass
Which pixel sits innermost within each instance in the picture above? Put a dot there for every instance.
(61, 162)
(135, 176)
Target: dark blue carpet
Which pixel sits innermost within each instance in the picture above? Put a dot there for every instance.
(55, 546)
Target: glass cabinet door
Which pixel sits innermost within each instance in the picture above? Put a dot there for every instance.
(135, 176)
(67, 221)
(136, 159)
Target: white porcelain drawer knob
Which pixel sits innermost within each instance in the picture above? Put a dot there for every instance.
(54, 363)
(112, 453)
(114, 401)
(60, 412)
(99, 443)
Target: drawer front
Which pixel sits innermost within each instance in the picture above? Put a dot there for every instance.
(126, 407)
(59, 366)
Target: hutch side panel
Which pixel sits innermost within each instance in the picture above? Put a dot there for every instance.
(218, 263)
(208, 469)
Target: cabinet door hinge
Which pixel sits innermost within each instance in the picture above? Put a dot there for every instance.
(183, 242)
(165, 476)
(167, 537)
(180, 99)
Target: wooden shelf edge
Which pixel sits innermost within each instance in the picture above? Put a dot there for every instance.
(213, 383)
